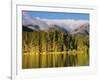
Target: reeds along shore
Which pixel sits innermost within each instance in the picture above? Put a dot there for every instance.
(42, 49)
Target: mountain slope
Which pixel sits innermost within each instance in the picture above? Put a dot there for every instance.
(66, 25)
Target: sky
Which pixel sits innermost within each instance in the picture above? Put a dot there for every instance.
(58, 15)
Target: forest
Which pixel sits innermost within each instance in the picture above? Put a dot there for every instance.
(54, 48)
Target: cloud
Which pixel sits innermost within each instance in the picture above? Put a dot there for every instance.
(26, 19)
(67, 23)
(44, 24)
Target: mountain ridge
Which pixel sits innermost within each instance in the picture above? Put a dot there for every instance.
(66, 25)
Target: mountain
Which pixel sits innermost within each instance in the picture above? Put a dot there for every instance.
(25, 28)
(31, 27)
(66, 25)
(83, 29)
(58, 28)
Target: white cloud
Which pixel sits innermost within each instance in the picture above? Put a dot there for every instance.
(71, 23)
(44, 24)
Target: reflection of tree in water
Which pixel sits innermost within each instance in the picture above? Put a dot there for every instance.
(56, 49)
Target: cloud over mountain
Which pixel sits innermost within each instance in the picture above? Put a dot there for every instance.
(68, 25)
